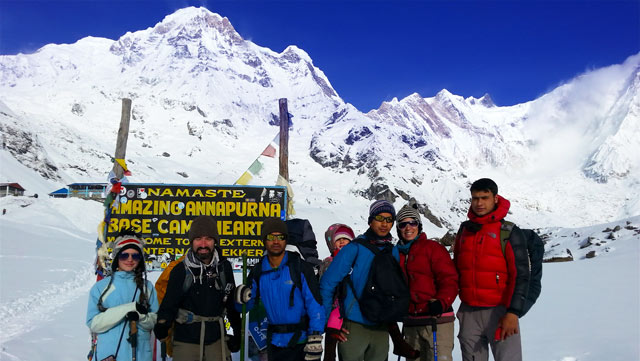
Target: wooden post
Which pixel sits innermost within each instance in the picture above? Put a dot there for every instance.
(284, 139)
(123, 135)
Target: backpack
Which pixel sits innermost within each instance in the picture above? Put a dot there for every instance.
(385, 297)
(535, 249)
(301, 235)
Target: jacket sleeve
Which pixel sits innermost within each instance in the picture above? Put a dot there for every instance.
(173, 296)
(445, 275)
(337, 271)
(99, 322)
(312, 304)
(520, 257)
(149, 320)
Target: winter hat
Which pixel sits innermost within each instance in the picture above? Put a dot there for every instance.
(124, 242)
(381, 206)
(409, 211)
(271, 225)
(203, 226)
(335, 232)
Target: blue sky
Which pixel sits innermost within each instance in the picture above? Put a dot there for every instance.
(372, 51)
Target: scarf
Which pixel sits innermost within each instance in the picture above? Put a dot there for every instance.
(192, 261)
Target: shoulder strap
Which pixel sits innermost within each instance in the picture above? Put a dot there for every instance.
(505, 232)
(293, 262)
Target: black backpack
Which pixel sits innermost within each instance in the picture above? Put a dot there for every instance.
(385, 297)
(535, 249)
(301, 235)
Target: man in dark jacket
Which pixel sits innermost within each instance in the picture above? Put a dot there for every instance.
(288, 288)
(199, 294)
(433, 284)
(360, 338)
(493, 279)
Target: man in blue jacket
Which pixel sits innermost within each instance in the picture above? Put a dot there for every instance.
(288, 289)
(365, 340)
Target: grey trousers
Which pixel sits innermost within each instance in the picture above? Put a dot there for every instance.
(183, 351)
(364, 343)
(477, 330)
(421, 339)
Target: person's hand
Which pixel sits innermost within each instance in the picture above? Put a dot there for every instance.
(132, 316)
(435, 308)
(313, 348)
(142, 309)
(509, 325)
(242, 294)
(338, 335)
(161, 330)
(233, 343)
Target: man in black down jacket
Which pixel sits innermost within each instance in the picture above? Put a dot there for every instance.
(199, 293)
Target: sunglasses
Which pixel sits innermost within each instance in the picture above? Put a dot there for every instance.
(402, 225)
(381, 218)
(273, 237)
(125, 256)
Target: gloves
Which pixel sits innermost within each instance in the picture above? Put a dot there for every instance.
(233, 343)
(313, 348)
(242, 294)
(142, 309)
(435, 308)
(161, 330)
(132, 316)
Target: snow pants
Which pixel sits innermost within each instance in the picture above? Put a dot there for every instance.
(370, 343)
(477, 330)
(421, 339)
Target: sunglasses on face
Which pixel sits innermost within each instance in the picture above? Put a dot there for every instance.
(402, 225)
(381, 218)
(273, 237)
(125, 256)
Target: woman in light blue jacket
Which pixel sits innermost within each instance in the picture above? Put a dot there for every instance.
(120, 300)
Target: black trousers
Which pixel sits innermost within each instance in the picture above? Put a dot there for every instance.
(295, 353)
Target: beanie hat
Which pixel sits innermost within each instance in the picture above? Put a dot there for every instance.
(271, 225)
(203, 226)
(335, 232)
(381, 206)
(125, 242)
(409, 211)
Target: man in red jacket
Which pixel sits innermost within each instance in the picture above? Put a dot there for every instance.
(433, 285)
(493, 279)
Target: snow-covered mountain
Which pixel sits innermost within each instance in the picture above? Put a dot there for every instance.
(205, 104)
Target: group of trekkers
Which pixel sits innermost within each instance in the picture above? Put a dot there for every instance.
(355, 297)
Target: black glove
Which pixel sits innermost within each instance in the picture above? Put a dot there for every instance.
(242, 294)
(161, 330)
(132, 316)
(233, 343)
(435, 308)
(142, 309)
(313, 348)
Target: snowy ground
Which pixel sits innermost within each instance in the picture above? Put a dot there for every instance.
(589, 308)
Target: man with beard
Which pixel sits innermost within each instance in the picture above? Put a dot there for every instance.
(198, 296)
(288, 288)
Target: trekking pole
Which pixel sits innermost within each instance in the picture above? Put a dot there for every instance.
(244, 307)
(434, 329)
(163, 351)
(133, 338)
